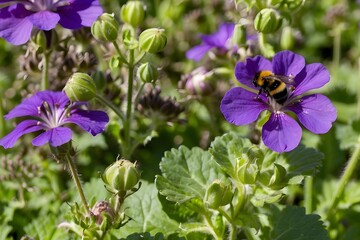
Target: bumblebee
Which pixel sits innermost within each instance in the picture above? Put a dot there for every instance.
(275, 86)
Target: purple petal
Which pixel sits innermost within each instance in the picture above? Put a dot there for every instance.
(287, 63)
(241, 107)
(93, 122)
(245, 72)
(220, 38)
(281, 133)
(14, 24)
(44, 20)
(55, 137)
(313, 76)
(79, 13)
(29, 106)
(197, 52)
(58, 99)
(315, 112)
(26, 126)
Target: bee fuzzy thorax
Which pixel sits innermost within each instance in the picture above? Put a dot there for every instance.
(275, 86)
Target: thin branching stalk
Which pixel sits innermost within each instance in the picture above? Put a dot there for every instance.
(344, 180)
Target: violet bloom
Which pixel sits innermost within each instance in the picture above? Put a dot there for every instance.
(19, 17)
(221, 40)
(281, 133)
(48, 112)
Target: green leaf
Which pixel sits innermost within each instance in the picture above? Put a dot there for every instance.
(187, 173)
(293, 223)
(146, 212)
(227, 149)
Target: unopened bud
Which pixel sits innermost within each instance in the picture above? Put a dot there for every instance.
(247, 173)
(278, 176)
(133, 13)
(152, 40)
(267, 21)
(45, 39)
(218, 194)
(80, 87)
(105, 28)
(147, 73)
(103, 209)
(121, 175)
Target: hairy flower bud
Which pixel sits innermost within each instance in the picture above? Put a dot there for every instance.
(248, 172)
(218, 194)
(103, 209)
(80, 87)
(152, 40)
(267, 21)
(147, 73)
(121, 175)
(105, 28)
(133, 13)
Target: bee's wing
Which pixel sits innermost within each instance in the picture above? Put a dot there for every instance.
(285, 79)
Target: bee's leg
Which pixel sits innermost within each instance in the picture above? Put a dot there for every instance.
(258, 96)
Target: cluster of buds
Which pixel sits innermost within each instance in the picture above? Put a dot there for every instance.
(153, 105)
(18, 169)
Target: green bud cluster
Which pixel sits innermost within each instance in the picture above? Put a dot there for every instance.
(147, 73)
(152, 40)
(218, 194)
(80, 87)
(133, 13)
(121, 176)
(268, 20)
(105, 28)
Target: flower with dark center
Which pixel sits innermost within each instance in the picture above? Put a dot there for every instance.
(281, 133)
(48, 112)
(19, 17)
(220, 40)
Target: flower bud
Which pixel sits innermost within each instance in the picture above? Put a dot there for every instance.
(152, 40)
(80, 87)
(121, 175)
(278, 176)
(198, 82)
(267, 21)
(45, 39)
(287, 38)
(147, 73)
(133, 13)
(101, 209)
(218, 194)
(105, 28)
(239, 35)
(247, 173)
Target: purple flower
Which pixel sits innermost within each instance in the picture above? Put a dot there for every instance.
(219, 40)
(18, 17)
(49, 111)
(281, 133)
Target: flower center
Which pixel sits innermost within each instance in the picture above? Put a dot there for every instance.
(51, 116)
(43, 5)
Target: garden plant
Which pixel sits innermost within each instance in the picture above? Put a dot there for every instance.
(179, 119)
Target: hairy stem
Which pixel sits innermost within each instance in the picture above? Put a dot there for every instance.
(45, 71)
(127, 124)
(76, 178)
(309, 194)
(115, 109)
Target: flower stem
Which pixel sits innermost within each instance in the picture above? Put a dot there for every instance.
(309, 194)
(127, 124)
(75, 176)
(121, 55)
(45, 71)
(106, 102)
(349, 170)
(2, 121)
(337, 46)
